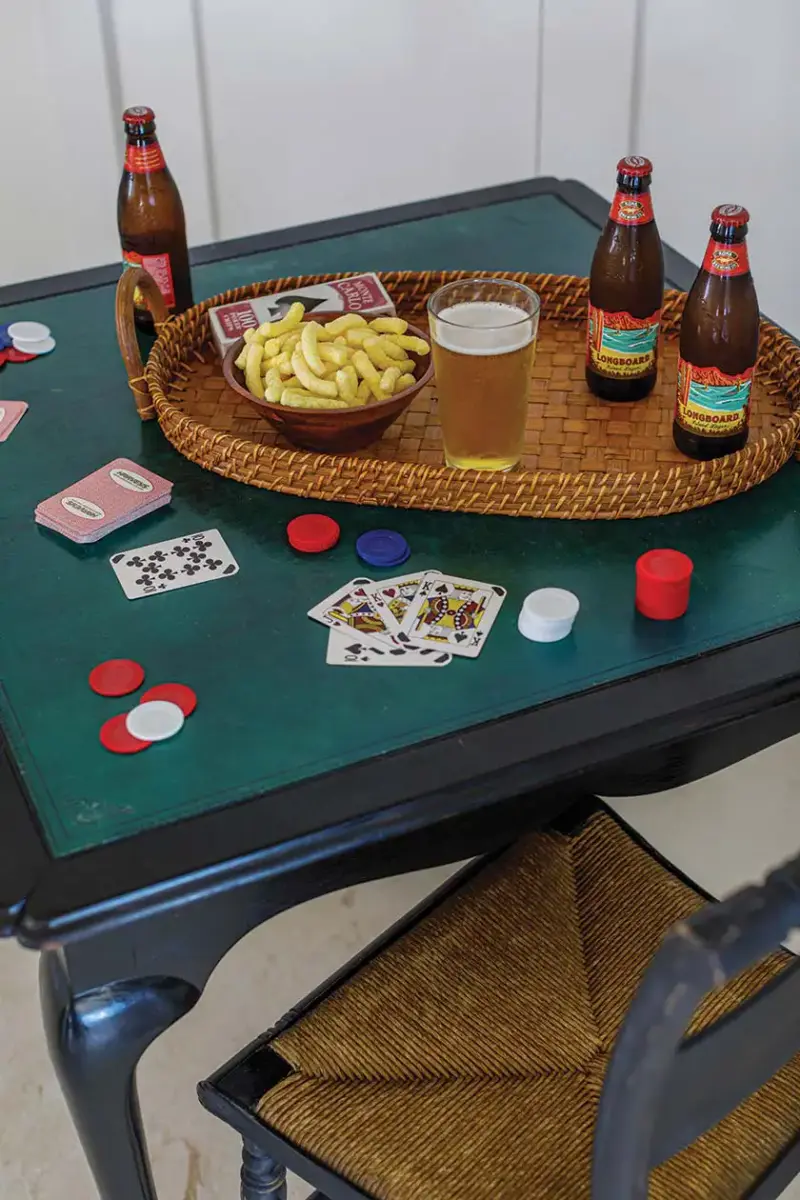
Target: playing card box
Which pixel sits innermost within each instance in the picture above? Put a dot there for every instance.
(358, 293)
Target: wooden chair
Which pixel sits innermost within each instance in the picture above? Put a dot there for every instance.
(566, 1020)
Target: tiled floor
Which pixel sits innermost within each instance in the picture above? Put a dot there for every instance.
(721, 832)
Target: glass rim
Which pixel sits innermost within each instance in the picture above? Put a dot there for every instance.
(510, 283)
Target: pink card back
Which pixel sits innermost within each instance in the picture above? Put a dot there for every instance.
(104, 498)
(11, 413)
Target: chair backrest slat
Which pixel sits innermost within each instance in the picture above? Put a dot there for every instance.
(719, 1068)
(661, 1091)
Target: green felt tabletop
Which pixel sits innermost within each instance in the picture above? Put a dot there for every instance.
(271, 712)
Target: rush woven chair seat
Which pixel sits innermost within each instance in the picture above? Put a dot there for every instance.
(582, 458)
(466, 1052)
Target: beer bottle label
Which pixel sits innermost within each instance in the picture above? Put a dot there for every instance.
(141, 159)
(711, 402)
(157, 265)
(725, 259)
(632, 210)
(620, 345)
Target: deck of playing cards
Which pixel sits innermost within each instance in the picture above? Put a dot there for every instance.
(415, 620)
(11, 413)
(120, 492)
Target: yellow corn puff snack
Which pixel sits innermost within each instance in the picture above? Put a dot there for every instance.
(294, 316)
(366, 369)
(389, 324)
(418, 345)
(347, 382)
(375, 350)
(252, 370)
(320, 387)
(343, 323)
(405, 381)
(308, 345)
(330, 353)
(389, 380)
(390, 347)
(295, 398)
(356, 337)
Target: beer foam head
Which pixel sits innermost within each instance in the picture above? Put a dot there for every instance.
(482, 327)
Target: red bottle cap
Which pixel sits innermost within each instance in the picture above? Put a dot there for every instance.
(312, 533)
(635, 165)
(663, 579)
(139, 115)
(730, 214)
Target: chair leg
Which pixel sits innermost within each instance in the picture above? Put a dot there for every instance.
(262, 1177)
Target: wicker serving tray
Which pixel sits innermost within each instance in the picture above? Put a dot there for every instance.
(583, 458)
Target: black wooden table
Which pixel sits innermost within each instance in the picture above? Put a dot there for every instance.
(134, 877)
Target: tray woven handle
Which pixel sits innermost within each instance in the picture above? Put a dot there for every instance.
(132, 278)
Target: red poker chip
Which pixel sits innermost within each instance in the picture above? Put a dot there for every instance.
(313, 533)
(175, 693)
(116, 677)
(18, 356)
(115, 737)
(3, 357)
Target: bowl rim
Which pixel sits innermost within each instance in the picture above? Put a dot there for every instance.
(327, 413)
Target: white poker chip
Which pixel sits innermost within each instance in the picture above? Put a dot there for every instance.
(548, 615)
(154, 721)
(28, 331)
(41, 346)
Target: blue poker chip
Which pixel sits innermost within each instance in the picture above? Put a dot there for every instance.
(5, 339)
(383, 548)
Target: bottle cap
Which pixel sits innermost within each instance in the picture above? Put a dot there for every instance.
(635, 165)
(730, 214)
(548, 615)
(138, 115)
(663, 579)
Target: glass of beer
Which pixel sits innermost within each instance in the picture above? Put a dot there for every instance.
(484, 340)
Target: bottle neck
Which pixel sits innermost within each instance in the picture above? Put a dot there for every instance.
(726, 259)
(143, 154)
(631, 207)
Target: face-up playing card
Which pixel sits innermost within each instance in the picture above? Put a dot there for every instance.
(176, 563)
(117, 493)
(452, 613)
(399, 592)
(354, 609)
(11, 413)
(345, 651)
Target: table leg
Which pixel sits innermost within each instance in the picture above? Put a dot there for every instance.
(262, 1177)
(95, 1040)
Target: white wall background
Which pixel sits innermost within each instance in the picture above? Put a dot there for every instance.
(445, 95)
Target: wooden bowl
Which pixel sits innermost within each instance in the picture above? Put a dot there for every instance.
(334, 431)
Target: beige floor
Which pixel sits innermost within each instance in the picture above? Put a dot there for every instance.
(721, 832)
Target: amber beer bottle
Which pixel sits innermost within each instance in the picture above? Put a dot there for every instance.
(719, 344)
(626, 291)
(150, 217)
